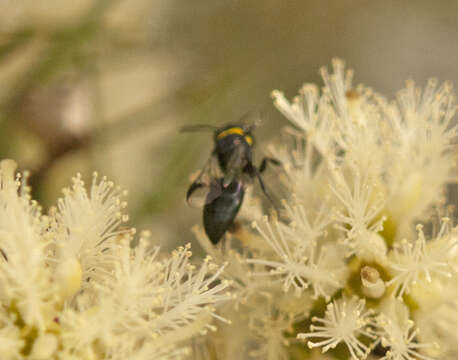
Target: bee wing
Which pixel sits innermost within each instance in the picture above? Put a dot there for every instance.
(235, 165)
(251, 120)
(198, 127)
(200, 194)
(206, 187)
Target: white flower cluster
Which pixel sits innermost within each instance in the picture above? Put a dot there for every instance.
(343, 271)
(341, 265)
(72, 287)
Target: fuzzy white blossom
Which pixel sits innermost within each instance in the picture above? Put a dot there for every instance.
(438, 324)
(24, 276)
(11, 341)
(421, 260)
(345, 320)
(73, 287)
(358, 217)
(271, 330)
(300, 265)
(339, 264)
(398, 333)
(87, 225)
(401, 341)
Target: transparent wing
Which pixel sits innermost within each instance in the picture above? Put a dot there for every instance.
(200, 194)
(207, 186)
(251, 120)
(198, 127)
(235, 165)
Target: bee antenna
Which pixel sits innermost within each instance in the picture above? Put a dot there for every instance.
(200, 127)
(251, 120)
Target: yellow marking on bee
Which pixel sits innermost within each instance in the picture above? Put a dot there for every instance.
(230, 131)
(235, 130)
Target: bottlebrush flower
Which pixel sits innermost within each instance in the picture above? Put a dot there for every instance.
(437, 323)
(398, 333)
(358, 174)
(271, 329)
(345, 320)
(300, 264)
(339, 265)
(422, 260)
(72, 287)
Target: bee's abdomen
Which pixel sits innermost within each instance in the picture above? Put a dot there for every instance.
(221, 212)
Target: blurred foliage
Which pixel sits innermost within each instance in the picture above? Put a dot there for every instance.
(106, 84)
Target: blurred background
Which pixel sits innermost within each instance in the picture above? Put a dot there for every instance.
(106, 84)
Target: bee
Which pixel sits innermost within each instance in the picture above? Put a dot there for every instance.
(221, 210)
(221, 183)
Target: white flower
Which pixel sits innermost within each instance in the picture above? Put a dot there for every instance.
(127, 348)
(236, 270)
(438, 323)
(345, 320)
(147, 298)
(423, 138)
(188, 291)
(87, 225)
(24, 277)
(310, 226)
(311, 113)
(419, 261)
(71, 285)
(358, 218)
(270, 328)
(406, 146)
(401, 340)
(44, 346)
(298, 263)
(11, 342)
(356, 174)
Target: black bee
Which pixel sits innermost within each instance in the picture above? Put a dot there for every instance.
(221, 210)
(223, 178)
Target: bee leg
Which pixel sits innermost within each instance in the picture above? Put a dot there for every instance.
(253, 171)
(267, 160)
(193, 187)
(257, 173)
(263, 187)
(198, 183)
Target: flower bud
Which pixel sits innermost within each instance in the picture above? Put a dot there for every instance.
(44, 347)
(68, 277)
(373, 285)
